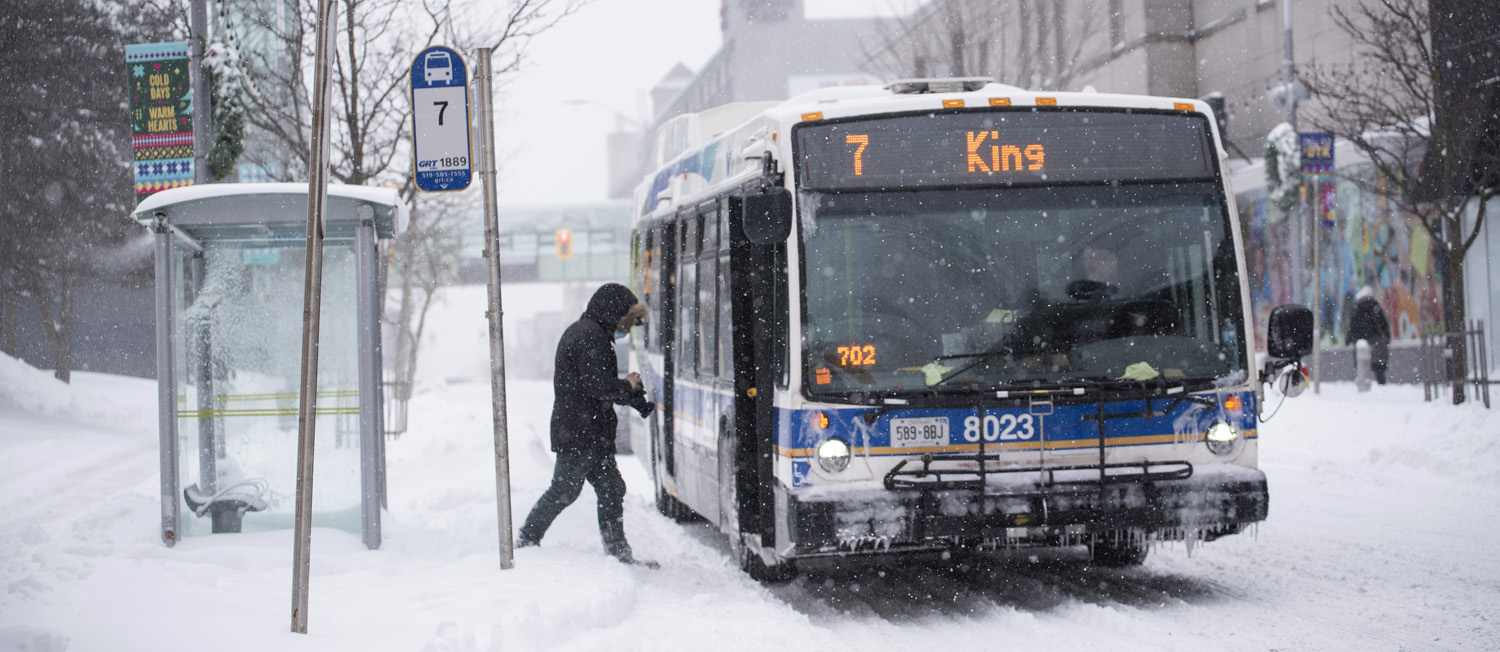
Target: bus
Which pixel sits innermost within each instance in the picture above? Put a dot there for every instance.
(950, 316)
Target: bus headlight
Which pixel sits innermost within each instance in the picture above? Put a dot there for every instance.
(833, 454)
(1221, 438)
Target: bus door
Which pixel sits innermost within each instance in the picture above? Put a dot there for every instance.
(752, 282)
(688, 392)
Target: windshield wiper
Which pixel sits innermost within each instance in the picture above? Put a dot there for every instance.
(981, 358)
(1125, 388)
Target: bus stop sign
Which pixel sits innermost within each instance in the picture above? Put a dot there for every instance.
(440, 120)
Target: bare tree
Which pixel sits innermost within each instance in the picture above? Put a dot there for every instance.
(65, 158)
(372, 122)
(426, 257)
(1422, 125)
(1033, 44)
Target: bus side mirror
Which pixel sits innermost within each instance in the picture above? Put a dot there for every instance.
(1289, 334)
(768, 216)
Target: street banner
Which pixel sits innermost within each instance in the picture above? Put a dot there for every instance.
(440, 120)
(161, 115)
(1317, 152)
(1329, 203)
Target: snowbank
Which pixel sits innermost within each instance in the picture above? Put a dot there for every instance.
(93, 398)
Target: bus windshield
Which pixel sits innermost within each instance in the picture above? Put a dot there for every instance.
(989, 289)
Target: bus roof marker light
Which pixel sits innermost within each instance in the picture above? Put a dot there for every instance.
(815, 115)
(953, 104)
(999, 101)
(1046, 101)
(1182, 106)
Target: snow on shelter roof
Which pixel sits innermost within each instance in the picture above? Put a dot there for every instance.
(257, 211)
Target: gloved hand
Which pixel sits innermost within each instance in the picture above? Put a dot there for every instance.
(642, 406)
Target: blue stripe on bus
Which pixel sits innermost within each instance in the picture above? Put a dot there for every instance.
(796, 431)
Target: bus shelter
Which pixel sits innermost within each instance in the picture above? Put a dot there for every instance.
(230, 266)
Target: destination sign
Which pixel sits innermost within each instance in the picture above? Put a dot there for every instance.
(1003, 147)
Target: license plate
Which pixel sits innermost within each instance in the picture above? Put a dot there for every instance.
(921, 432)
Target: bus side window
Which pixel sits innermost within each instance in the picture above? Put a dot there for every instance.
(647, 273)
(708, 309)
(687, 298)
(783, 322)
(653, 289)
(726, 332)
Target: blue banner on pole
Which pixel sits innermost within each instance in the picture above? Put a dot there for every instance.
(1317, 152)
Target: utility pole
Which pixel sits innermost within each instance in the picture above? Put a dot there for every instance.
(312, 294)
(484, 76)
(1289, 85)
(1288, 74)
(202, 110)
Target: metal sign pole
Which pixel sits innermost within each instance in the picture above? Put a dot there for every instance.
(1317, 264)
(497, 328)
(307, 406)
(202, 104)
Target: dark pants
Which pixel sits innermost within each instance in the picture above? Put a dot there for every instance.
(567, 481)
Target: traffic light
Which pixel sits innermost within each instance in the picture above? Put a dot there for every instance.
(564, 244)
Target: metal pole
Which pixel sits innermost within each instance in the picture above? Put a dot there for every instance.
(1287, 60)
(497, 327)
(367, 303)
(312, 293)
(208, 472)
(1288, 87)
(1317, 244)
(202, 104)
(166, 382)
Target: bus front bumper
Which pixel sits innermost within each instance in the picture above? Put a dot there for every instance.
(1212, 501)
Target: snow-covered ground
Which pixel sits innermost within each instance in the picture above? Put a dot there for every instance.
(1385, 512)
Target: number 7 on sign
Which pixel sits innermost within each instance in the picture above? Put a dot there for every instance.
(859, 159)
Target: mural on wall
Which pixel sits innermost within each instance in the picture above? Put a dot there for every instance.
(1365, 240)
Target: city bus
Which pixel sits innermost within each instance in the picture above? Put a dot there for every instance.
(950, 316)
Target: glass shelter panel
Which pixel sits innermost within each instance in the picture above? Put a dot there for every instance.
(238, 357)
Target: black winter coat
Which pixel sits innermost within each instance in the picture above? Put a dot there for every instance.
(586, 379)
(1370, 324)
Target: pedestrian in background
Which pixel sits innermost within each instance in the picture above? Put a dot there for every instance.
(586, 384)
(1369, 324)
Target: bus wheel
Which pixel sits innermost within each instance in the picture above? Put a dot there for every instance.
(1117, 553)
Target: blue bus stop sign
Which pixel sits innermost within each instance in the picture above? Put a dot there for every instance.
(440, 120)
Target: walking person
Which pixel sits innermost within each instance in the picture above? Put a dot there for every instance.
(586, 385)
(1369, 323)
